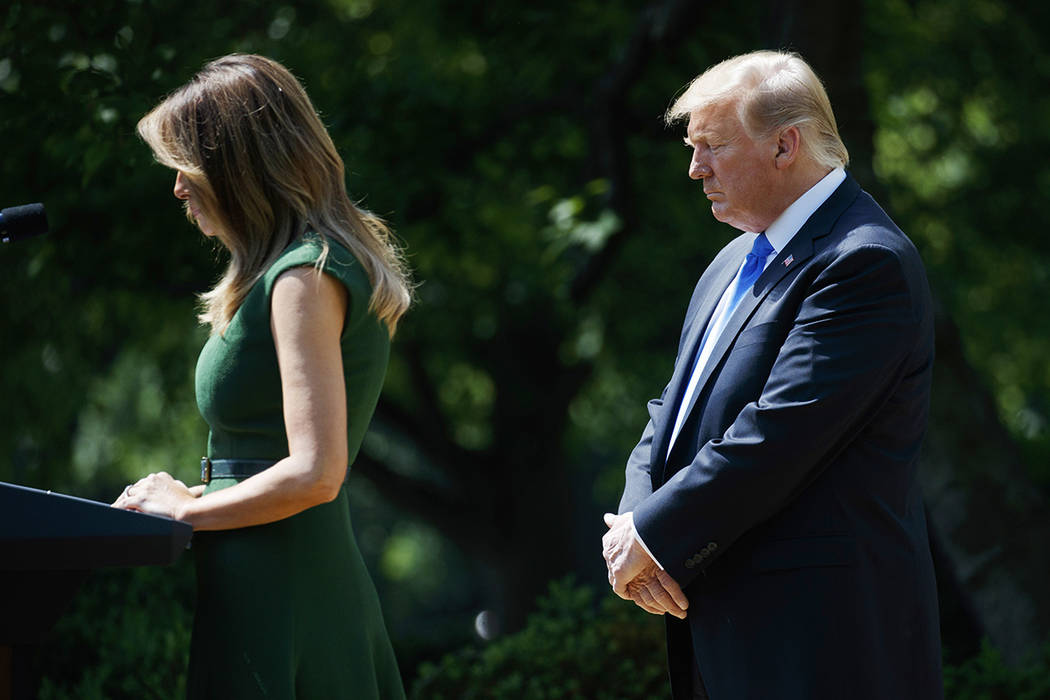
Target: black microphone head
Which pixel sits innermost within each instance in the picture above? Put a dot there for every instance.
(23, 222)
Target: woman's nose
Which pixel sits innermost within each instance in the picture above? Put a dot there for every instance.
(182, 190)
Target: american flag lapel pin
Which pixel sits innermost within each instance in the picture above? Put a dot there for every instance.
(788, 260)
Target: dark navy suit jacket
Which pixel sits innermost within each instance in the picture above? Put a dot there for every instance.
(788, 509)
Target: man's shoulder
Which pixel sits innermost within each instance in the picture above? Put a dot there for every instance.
(864, 223)
(865, 241)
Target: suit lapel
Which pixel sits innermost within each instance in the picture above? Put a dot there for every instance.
(712, 285)
(795, 253)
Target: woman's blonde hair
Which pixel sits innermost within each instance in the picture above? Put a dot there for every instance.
(772, 90)
(265, 171)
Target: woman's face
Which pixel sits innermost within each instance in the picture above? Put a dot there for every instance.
(184, 191)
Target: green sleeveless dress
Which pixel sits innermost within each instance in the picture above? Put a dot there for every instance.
(287, 609)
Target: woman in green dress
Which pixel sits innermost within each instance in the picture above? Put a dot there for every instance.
(301, 323)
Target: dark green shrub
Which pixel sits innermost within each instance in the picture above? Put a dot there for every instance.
(570, 648)
(575, 648)
(987, 677)
(126, 635)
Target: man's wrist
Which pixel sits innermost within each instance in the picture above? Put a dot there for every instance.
(639, 540)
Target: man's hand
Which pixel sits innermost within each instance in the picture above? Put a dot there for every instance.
(624, 555)
(656, 592)
(634, 575)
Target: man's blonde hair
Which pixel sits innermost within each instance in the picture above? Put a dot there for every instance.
(772, 90)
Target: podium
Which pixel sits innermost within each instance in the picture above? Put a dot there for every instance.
(49, 543)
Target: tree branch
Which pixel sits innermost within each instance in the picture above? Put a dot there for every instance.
(660, 26)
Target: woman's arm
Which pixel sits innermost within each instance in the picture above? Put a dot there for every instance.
(306, 319)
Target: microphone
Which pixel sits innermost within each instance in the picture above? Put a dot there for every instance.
(21, 222)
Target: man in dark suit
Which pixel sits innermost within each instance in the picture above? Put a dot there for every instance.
(771, 506)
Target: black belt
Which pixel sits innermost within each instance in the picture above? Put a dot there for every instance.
(232, 468)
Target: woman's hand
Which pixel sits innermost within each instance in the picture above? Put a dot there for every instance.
(159, 494)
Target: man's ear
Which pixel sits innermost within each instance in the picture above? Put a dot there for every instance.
(789, 146)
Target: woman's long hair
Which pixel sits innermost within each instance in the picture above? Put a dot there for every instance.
(264, 171)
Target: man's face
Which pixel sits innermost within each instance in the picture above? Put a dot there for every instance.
(738, 172)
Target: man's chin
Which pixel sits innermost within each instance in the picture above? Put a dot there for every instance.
(721, 214)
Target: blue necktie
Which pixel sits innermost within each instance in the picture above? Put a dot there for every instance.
(754, 264)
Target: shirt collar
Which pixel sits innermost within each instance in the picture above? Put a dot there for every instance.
(784, 228)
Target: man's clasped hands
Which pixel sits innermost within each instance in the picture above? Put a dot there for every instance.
(634, 575)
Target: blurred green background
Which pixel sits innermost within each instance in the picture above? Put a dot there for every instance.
(517, 148)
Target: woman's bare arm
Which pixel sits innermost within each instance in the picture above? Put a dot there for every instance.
(306, 319)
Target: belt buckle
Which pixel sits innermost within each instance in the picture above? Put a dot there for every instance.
(205, 470)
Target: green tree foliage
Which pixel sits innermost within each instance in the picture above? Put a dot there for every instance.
(958, 91)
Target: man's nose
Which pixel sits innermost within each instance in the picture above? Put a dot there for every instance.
(698, 169)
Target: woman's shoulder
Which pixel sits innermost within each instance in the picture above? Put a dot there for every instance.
(303, 250)
(307, 249)
(336, 261)
(340, 260)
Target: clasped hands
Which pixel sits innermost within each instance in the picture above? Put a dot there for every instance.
(634, 575)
